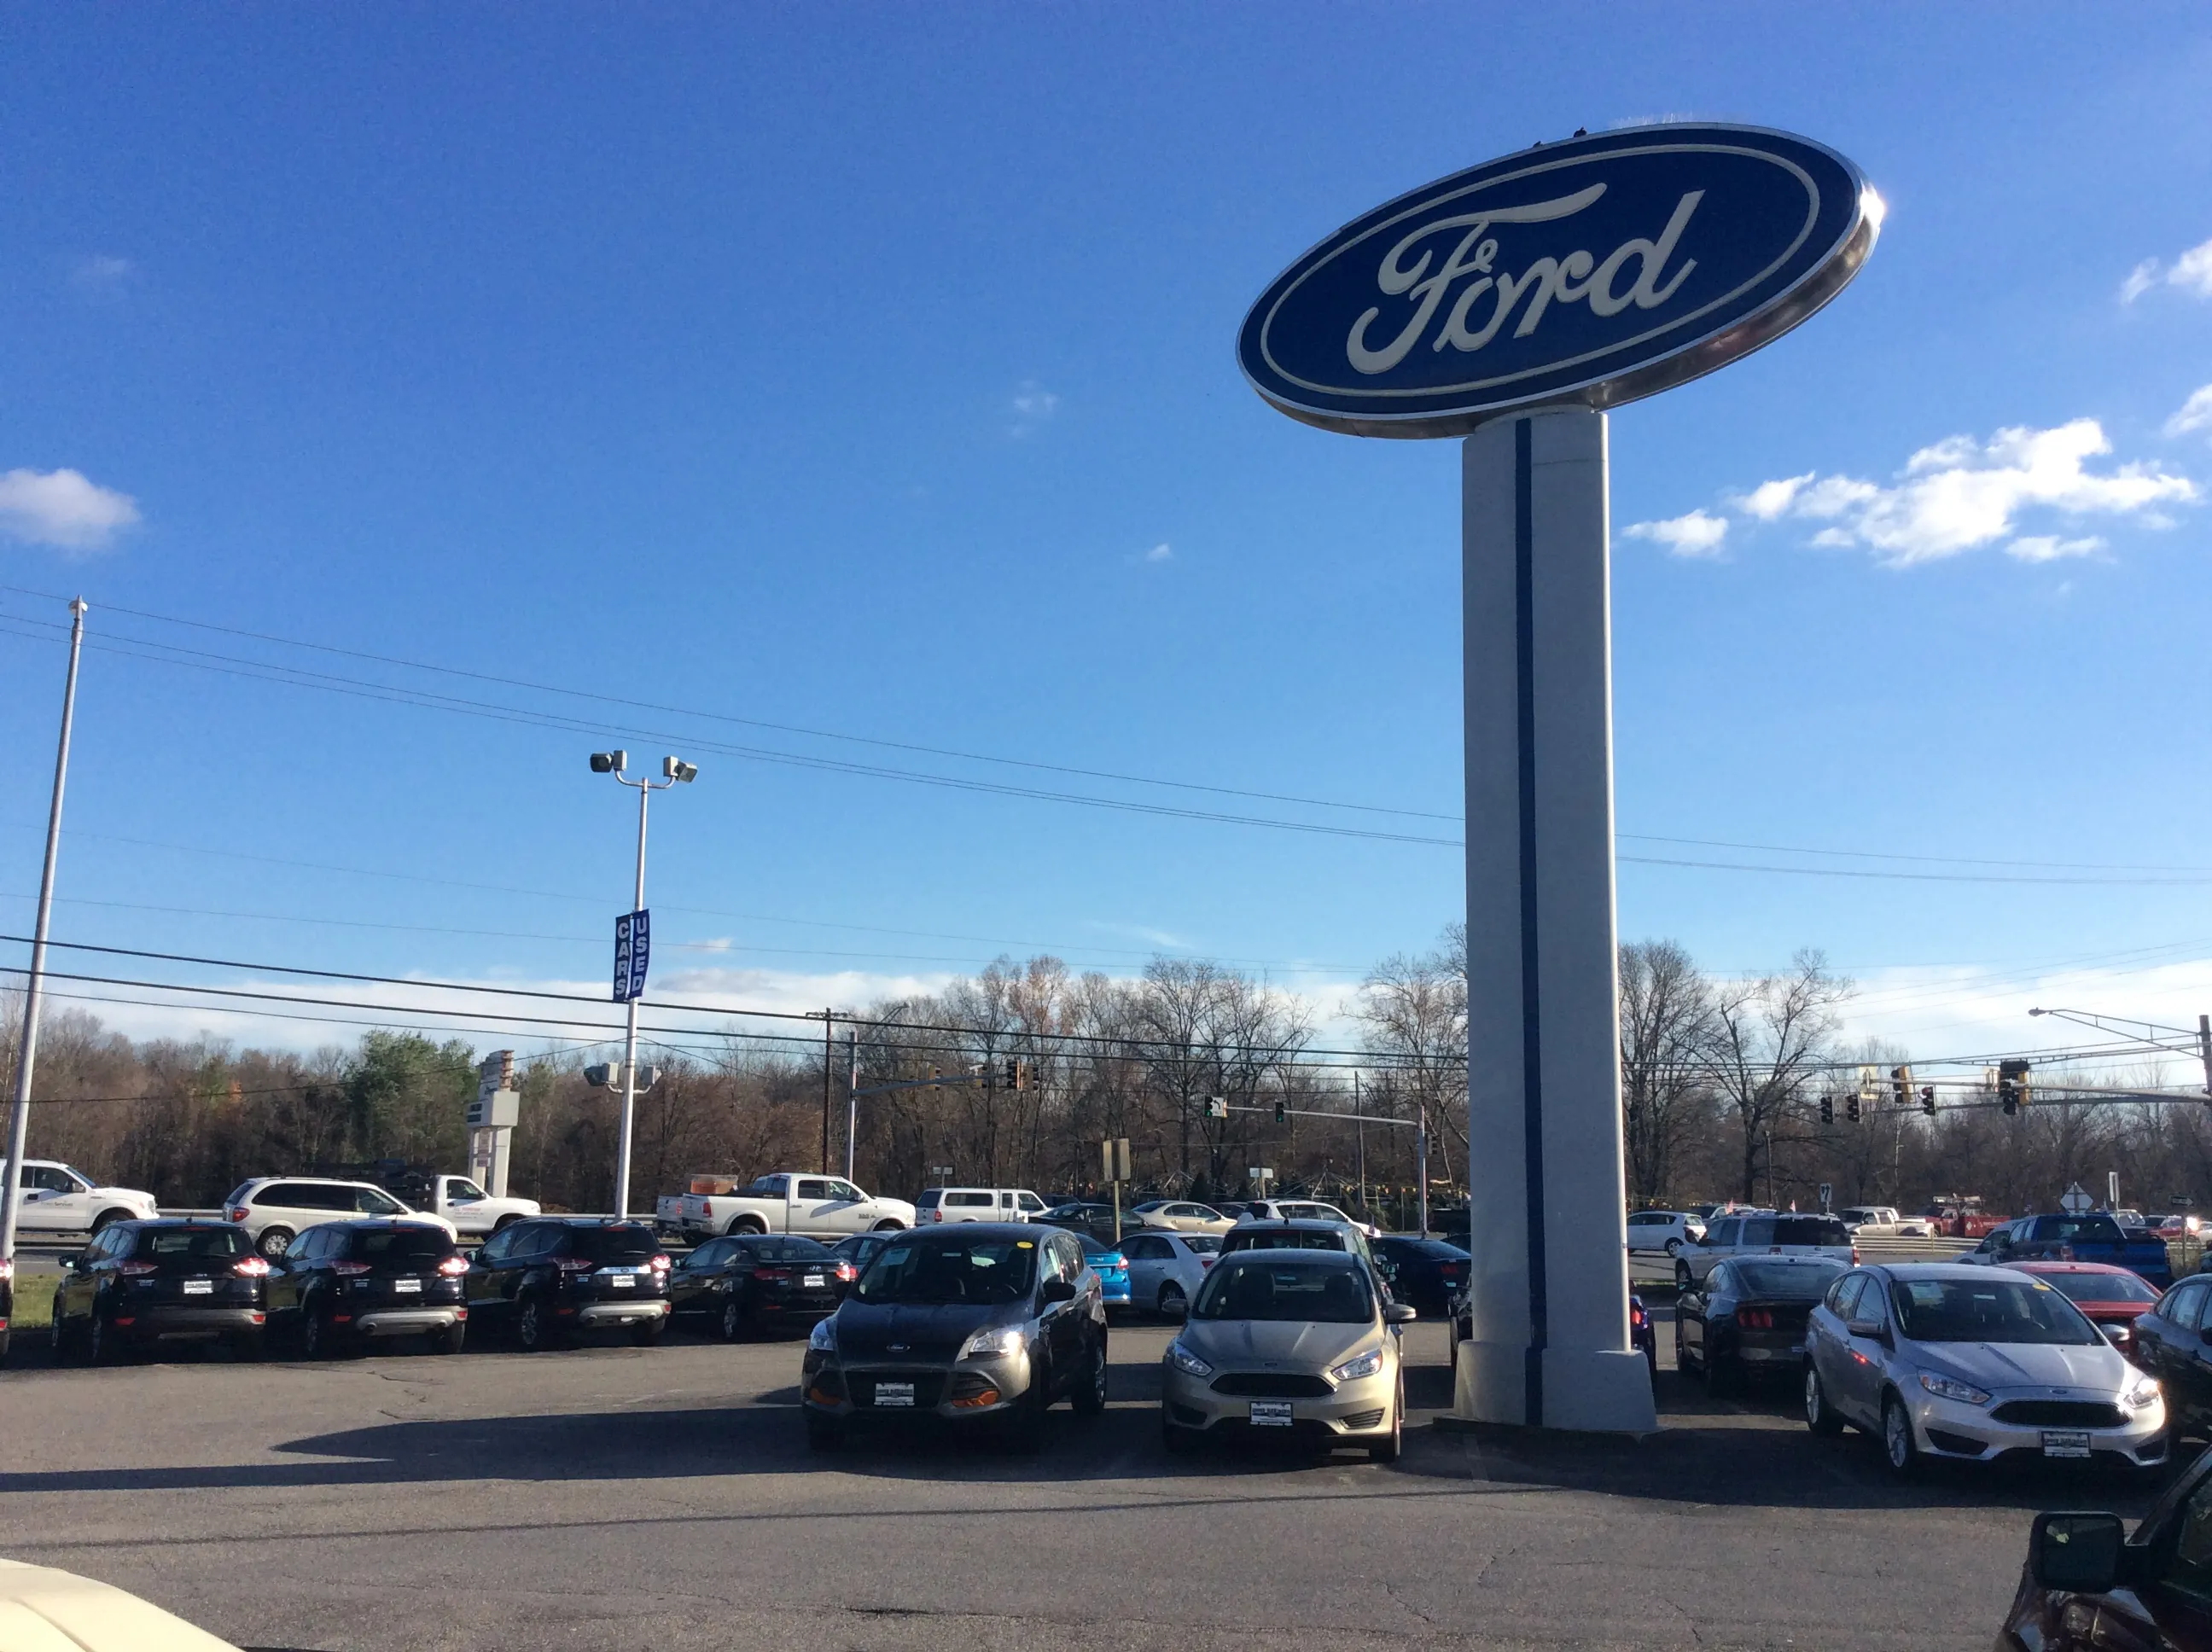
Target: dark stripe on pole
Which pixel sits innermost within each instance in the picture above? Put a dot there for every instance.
(1532, 1043)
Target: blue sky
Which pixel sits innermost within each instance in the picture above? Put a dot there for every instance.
(868, 370)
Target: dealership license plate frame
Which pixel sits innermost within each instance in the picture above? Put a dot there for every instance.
(199, 1287)
(622, 1281)
(410, 1287)
(894, 1395)
(1270, 1413)
(814, 1281)
(2066, 1442)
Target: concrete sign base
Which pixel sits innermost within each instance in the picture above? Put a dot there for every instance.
(1551, 1342)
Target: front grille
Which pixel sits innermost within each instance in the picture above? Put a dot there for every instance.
(1272, 1385)
(928, 1387)
(2059, 1413)
(1360, 1419)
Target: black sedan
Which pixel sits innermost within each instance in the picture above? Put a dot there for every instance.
(141, 1284)
(1426, 1272)
(1747, 1318)
(860, 1249)
(744, 1284)
(341, 1284)
(1091, 1216)
(546, 1279)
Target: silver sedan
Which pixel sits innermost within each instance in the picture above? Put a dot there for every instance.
(1166, 1268)
(1936, 1360)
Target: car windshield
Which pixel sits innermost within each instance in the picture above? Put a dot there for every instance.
(2102, 1287)
(1274, 1288)
(949, 1268)
(1989, 1310)
(1788, 1283)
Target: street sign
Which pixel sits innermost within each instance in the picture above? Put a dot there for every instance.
(2076, 1199)
(633, 950)
(1584, 273)
(1114, 1159)
(2111, 1190)
(1827, 1192)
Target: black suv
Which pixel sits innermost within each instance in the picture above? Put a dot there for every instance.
(546, 1279)
(173, 1280)
(340, 1284)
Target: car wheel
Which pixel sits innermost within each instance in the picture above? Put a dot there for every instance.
(1674, 1247)
(736, 1323)
(273, 1241)
(1174, 1304)
(745, 1224)
(888, 1224)
(530, 1326)
(102, 1343)
(1387, 1451)
(823, 1433)
(314, 1334)
(107, 1219)
(1090, 1396)
(451, 1340)
(1898, 1449)
(1820, 1416)
(505, 1223)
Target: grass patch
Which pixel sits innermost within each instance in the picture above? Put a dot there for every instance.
(35, 1308)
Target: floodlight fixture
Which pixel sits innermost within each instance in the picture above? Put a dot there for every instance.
(610, 762)
(676, 768)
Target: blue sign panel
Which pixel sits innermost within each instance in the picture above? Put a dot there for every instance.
(1586, 273)
(633, 950)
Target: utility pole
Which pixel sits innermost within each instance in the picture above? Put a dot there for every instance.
(852, 1095)
(1421, 1143)
(828, 1027)
(26, 1054)
(1358, 1112)
(2204, 1046)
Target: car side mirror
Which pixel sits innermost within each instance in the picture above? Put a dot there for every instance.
(67, 1261)
(1059, 1290)
(2077, 1553)
(1870, 1329)
(1399, 1312)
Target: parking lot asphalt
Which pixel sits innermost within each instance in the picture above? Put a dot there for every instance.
(612, 1496)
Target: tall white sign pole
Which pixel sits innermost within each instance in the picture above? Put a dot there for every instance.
(26, 1051)
(1551, 1343)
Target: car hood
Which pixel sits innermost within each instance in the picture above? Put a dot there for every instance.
(929, 1332)
(1288, 1343)
(135, 1196)
(1996, 1365)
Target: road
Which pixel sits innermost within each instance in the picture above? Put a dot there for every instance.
(605, 1497)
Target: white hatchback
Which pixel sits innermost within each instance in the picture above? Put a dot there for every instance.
(275, 1209)
(1663, 1230)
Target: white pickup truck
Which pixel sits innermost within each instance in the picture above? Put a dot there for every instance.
(473, 1212)
(1883, 1222)
(789, 1201)
(60, 1199)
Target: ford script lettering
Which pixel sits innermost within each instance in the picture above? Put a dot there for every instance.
(1585, 273)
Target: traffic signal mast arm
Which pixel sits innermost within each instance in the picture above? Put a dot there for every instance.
(2198, 1043)
(1281, 1112)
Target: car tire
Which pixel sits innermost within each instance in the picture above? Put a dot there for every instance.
(505, 1223)
(744, 1224)
(531, 1332)
(1088, 1398)
(273, 1241)
(888, 1224)
(1174, 1304)
(316, 1335)
(103, 1344)
(1900, 1453)
(1674, 1247)
(450, 1340)
(737, 1325)
(1387, 1451)
(1821, 1417)
(57, 1335)
(824, 1433)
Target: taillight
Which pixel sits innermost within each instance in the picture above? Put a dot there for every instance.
(1855, 1255)
(252, 1267)
(348, 1270)
(132, 1269)
(238, 1212)
(660, 1265)
(453, 1266)
(576, 1265)
(1755, 1319)
(7, 1267)
(847, 1272)
(937, 1216)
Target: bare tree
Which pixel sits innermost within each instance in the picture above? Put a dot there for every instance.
(1770, 1037)
(1667, 1028)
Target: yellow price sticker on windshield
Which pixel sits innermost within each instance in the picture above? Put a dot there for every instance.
(1024, 1244)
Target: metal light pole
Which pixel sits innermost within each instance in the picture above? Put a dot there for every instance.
(673, 769)
(852, 1095)
(26, 1054)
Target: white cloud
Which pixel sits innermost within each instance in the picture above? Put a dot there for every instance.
(1956, 494)
(2195, 414)
(1697, 534)
(2191, 272)
(1033, 405)
(63, 508)
(1160, 553)
(100, 274)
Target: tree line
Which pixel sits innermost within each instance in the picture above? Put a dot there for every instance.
(1720, 1079)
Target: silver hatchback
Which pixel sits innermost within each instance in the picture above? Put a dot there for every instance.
(1940, 1360)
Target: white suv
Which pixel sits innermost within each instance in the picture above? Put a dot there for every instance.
(57, 1199)
(273, 1209)
(977, 1205)
(1304, 1210)
(1762, 1233)
(1666, 1231)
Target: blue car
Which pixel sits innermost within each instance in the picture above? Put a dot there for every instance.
(1112, 1268)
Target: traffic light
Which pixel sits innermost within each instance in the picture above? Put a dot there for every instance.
(1928, 1099)
(1217, 1106)
(2012, 1086)
(1852, 1107)
(1900, 1086)
(1827, 1109)
(1282, 1112)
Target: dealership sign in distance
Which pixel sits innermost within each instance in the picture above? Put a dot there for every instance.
(633, 951)
(1513, 304)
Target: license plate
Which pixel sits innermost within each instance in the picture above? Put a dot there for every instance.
(894, 1394)
(1271, 1413)
(622, 1281)
(814, 1281)
(2071, 1442)
(199, 1287)
(407, 1284)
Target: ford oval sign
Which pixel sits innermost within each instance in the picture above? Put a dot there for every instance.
(1585, 273)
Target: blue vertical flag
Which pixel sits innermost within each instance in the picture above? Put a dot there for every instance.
(633, 950)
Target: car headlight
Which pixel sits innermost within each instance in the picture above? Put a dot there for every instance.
(1187, 1362)
(993, 1342)
(1949, 1388)
(823, 1338)
(2141, 1395)
(1361, 1365)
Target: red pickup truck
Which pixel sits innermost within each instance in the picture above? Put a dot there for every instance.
(1959, 1219)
